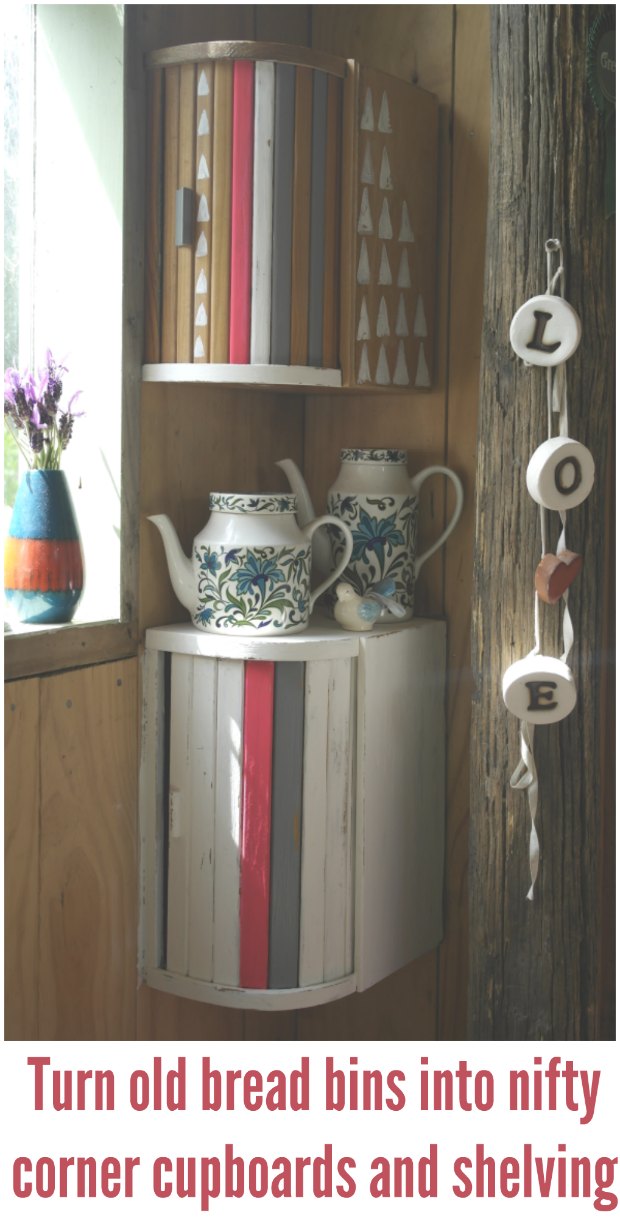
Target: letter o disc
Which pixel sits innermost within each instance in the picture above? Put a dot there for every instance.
(560, 474)
(545, 331)
(539, 689)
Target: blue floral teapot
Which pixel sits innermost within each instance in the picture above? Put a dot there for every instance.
(249, 572)
(374, 495)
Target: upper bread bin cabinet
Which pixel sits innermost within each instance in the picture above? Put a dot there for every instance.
(291, 220)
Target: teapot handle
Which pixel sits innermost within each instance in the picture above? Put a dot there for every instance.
(348, 549)
(416, 483)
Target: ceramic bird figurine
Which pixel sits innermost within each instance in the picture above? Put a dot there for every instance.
(354, 612)
(383, 592)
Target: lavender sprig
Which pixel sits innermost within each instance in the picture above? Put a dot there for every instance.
(40, 426)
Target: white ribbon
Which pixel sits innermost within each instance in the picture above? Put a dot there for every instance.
(525, 777)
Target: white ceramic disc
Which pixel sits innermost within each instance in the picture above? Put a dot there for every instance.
(560, 474)
(539, 689)
(545, 331)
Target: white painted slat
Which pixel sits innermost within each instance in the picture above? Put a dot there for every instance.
(262, 212)
(400, 798)
(179, 813)
(338, 893)
(314, 826)
(202, 838)
(228, 780)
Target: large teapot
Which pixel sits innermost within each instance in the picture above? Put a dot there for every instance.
(249, 572)
(375, 496)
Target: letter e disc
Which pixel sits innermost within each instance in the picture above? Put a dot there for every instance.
(560, 474)
(539, 689)
(545, 331)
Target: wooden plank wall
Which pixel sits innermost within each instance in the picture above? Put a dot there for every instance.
(71, 875)
(71, 841)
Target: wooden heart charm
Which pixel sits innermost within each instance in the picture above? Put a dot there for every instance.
(555, 573)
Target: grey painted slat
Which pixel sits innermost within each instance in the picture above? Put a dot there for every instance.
(286, 804)
(284, 129)
(317, 219)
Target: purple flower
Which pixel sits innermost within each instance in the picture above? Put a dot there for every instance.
(32, 414)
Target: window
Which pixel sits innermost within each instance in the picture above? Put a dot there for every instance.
(64, 268)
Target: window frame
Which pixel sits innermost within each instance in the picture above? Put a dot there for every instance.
(40, 650)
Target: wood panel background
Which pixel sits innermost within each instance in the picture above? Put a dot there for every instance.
(71, 822)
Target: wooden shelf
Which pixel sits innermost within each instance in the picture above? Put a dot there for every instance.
(266, 376)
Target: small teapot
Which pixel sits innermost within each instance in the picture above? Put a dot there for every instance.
(250, 567)
(375, 496)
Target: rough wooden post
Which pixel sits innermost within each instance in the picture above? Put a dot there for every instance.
(535, 966)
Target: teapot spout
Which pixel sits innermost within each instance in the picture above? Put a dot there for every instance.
(321, 549)
(179, 566)
(295, 479)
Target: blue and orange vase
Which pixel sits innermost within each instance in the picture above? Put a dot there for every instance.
(43, 565)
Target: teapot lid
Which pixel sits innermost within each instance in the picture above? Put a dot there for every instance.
(249, 505)
(385, 456)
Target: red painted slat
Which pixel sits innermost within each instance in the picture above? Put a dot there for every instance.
(241, 211)
(256, 824)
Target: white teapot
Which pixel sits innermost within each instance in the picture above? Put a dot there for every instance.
(249, 572)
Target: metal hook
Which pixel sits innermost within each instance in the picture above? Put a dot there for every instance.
(554, 246)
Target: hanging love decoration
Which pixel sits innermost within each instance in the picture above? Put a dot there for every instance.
(540, 689)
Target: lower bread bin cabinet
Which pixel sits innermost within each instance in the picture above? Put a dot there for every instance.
(292, 811)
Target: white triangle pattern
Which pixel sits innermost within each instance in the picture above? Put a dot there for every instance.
(363, 329)
(203, 169)
(364, 224)
(203, 209)
(401, 371)
(385, 273)
(383, 321)
(203, 84)
(201, 285)
(385, 223)
(363, 266)
(363, 375)
(385, 173)
(202, 248)
(203, 123)
(199, 349)
(367, 122)
(384, 123)
(201, 316)
(383, 371)
(422, 378)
